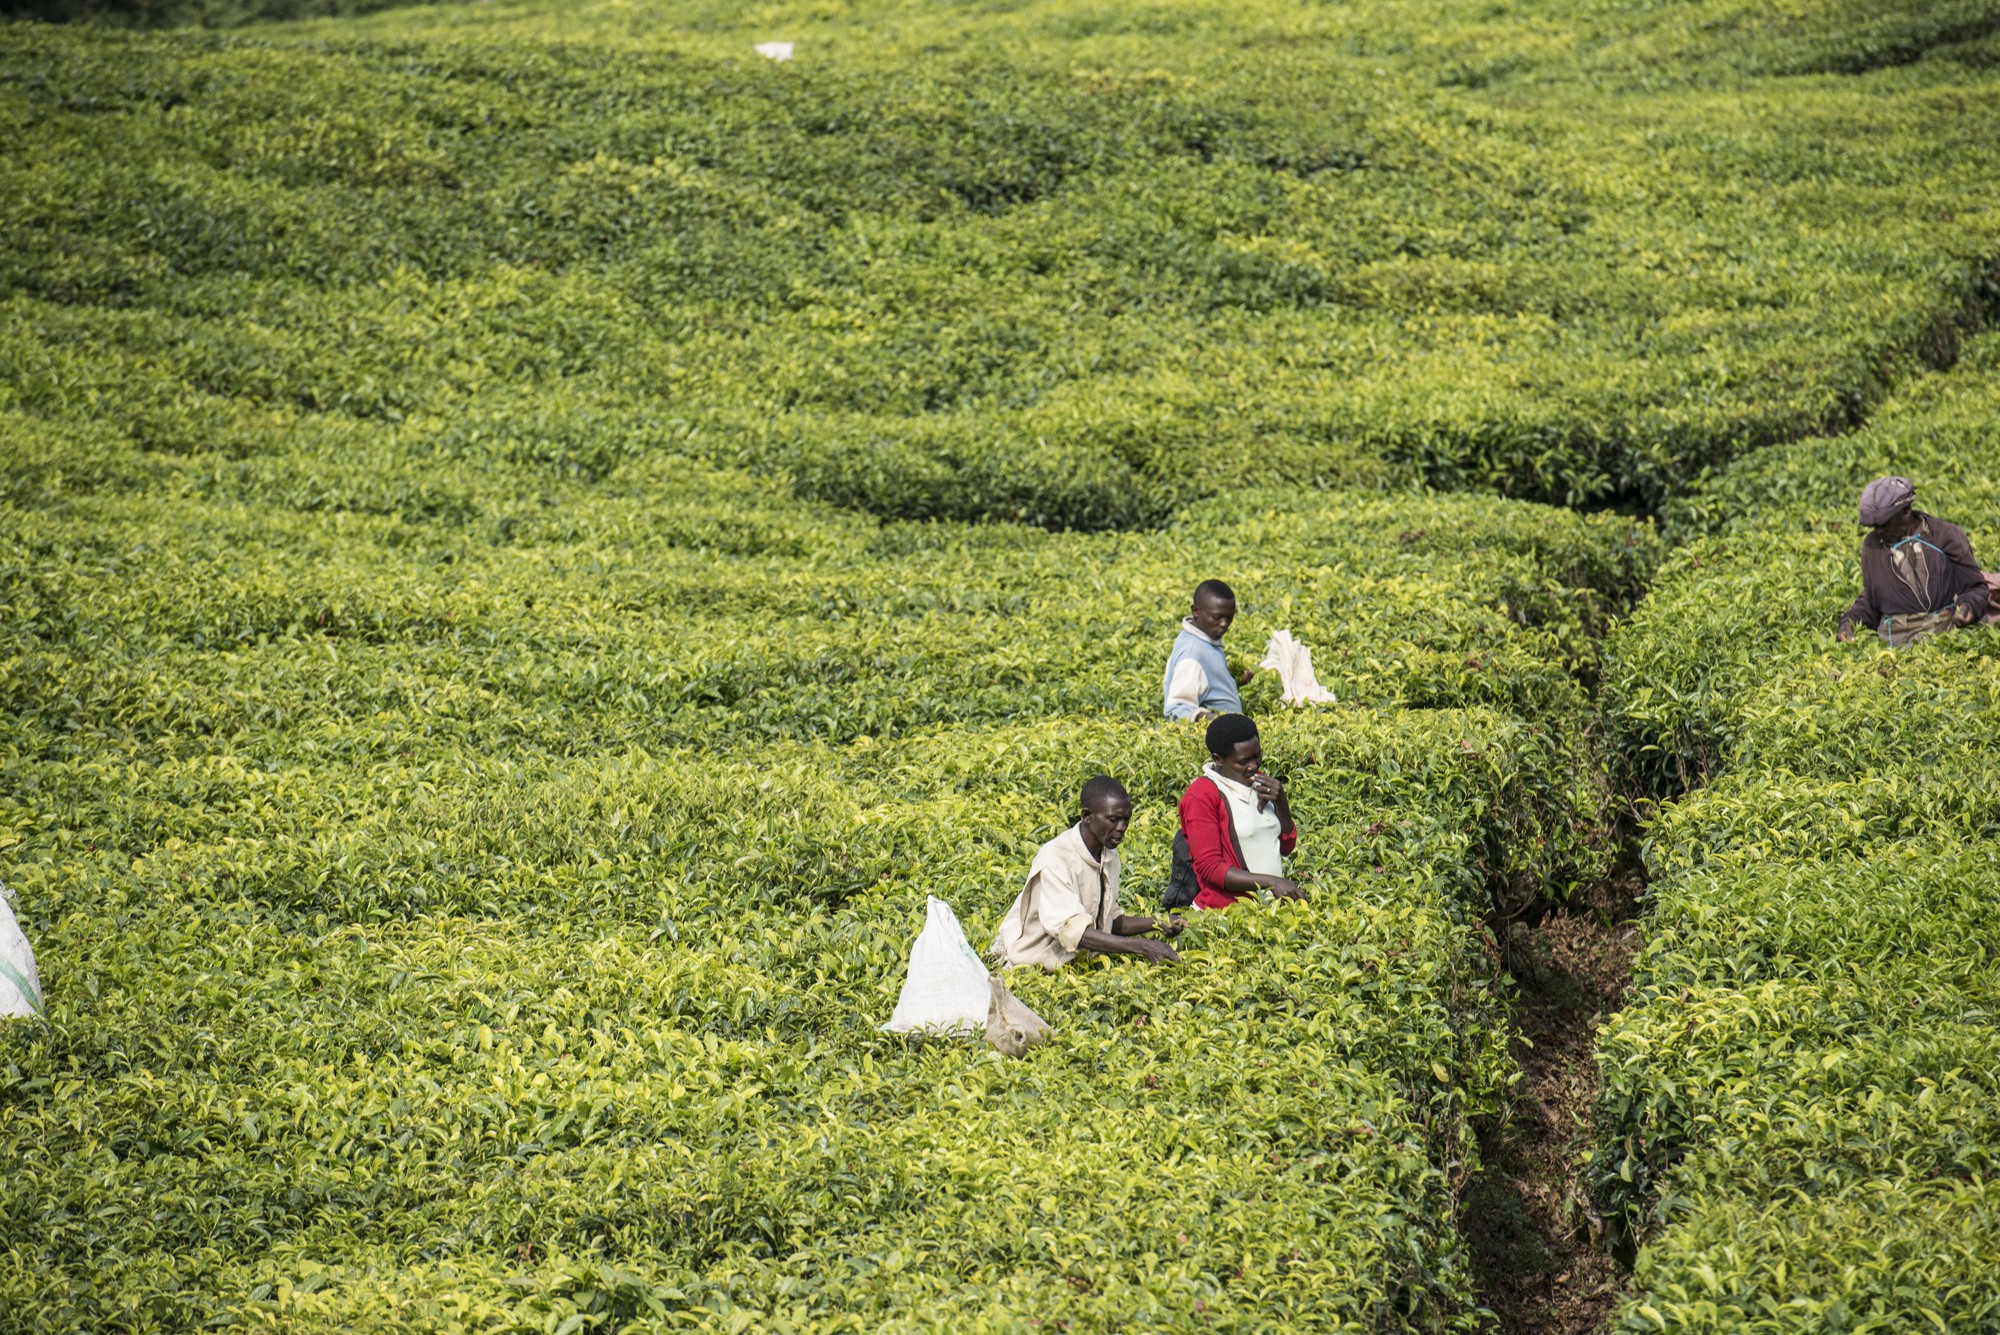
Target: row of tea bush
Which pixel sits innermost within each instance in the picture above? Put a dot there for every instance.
(189, 13)
(492, 665)
(623, 1068)
(479, 911)
(1800, 1104)
(1116, 267)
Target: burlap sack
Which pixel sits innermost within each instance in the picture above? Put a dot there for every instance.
(1896, 632)
(1011, 1026)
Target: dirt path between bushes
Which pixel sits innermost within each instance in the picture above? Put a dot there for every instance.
(1543, 1264)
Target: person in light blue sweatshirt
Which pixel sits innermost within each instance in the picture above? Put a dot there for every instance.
(1198, 684)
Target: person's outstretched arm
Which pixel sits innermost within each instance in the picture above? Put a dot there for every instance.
(1126, 924)
(1242, 882)
(1115, 942)
(1861, 612)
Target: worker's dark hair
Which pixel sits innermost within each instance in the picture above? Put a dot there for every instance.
(1214, 588)
(1100, 789)
(1229, 732)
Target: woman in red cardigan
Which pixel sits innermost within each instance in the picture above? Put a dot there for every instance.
(1237, 820)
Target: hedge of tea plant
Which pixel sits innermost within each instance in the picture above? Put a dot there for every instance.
(495, 654)
(1767, 562)
(422, 948)
(479, 909)
(187, 13)
(1070, 268)
(1799, 1105)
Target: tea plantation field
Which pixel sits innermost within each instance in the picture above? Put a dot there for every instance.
(532, 538)
(1024, 261)
(1800, 1105)
(503, 928)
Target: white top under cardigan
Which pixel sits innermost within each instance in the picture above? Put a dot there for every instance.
(1257, 831)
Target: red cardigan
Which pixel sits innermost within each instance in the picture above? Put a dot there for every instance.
(1212, 841)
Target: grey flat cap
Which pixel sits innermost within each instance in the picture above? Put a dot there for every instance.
(1885, 498)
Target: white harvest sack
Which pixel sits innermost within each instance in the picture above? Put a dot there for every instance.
(1010, 1025)
(946, 990)
(1293, 663)
(20, 983)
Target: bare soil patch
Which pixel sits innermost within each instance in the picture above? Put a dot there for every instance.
(1543, 1259)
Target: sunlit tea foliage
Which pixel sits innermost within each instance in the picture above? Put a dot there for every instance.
(533, 538)
(1800, 1107)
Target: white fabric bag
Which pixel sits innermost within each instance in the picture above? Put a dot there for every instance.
(946, 990)
(1293, 663)
(1010, 1025)
(20, 983)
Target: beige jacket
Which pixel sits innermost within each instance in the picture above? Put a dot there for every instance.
(1068, 892)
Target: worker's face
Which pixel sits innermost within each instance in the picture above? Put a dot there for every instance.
(1104, 825)
(1245, 763)
(1901, 526)
(1211, 615)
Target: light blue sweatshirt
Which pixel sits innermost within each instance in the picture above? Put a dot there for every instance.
(1217, 692)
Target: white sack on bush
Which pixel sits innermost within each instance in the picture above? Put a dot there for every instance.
(1293, 663)
(1010, 1025)
(20, 983)
(946, 990)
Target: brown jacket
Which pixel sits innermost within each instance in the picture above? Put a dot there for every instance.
(1941, 559)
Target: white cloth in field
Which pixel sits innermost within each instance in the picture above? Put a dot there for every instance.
(946, 990)
(1293, 663)
(774, 50)
(1011, 1026)
(20, 982)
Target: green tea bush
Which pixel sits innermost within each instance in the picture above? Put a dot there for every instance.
(1812, 1045)
(1073, 286)
(1797, 1104)
(755, 1131)
(1762, 592)
(496, 651)
(469, 885)
(1928, 433)
(610, 1007)
(179, 13)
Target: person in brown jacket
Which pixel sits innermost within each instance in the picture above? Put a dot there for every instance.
(1918, 574)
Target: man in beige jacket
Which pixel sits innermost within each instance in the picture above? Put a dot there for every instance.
(1071, 900)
